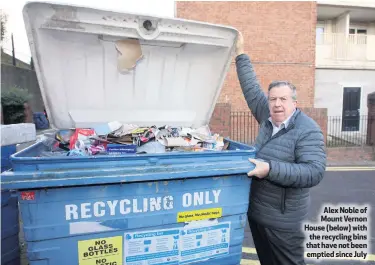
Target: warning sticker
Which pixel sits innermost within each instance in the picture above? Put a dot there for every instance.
(199, 215)
(100, 251)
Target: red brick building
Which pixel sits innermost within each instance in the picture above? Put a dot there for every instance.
(279, 38)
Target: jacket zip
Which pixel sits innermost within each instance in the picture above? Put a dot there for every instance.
(283, 200)
(283, 191)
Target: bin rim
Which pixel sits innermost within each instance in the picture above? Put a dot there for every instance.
(43, 180)
(17, 156)
(153, 167)
(126, 168)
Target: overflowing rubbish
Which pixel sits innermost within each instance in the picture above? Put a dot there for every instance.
(123, 139)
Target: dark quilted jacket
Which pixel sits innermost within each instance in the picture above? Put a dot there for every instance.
(296, 154)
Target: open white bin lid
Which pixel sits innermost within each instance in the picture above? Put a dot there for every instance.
(83, 76)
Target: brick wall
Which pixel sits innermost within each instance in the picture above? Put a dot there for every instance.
(371, 119)
(279, 38)
(220, 120)
(320, 116)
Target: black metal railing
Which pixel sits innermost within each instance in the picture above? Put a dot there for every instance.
(339, 131)
(244, 127)
(349, 131)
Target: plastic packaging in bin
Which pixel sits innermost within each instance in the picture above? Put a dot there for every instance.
(181, 207)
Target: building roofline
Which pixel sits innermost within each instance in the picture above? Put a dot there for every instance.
(347, 3)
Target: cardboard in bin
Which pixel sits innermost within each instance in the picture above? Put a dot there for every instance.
(179, 208)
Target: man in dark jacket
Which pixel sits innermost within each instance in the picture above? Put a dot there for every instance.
(291, 159)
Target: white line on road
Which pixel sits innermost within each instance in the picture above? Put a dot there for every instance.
(353, 168)
(252, 262)
(249, 262)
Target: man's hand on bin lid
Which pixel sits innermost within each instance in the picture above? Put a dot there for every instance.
(261, 169)
(240, 45)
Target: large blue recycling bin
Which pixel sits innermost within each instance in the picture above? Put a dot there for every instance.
(6, 152)
(98, 69)
(10, 251)
(171, 208)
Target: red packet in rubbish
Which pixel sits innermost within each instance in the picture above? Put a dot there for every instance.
(80, 134)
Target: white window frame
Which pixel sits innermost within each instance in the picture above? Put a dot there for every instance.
(359, 39)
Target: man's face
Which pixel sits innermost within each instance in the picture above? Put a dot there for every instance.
(281, 103)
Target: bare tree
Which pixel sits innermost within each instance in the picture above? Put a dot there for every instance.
(3, 21)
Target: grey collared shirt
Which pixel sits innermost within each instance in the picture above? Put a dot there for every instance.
(284, 124)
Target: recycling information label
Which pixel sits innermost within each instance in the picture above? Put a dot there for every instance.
(100, 251)
(177, 246)
(155, 247)
(205, 242)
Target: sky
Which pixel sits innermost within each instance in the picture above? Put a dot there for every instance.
(15, 24)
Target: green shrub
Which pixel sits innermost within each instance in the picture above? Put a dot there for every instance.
(12, 102)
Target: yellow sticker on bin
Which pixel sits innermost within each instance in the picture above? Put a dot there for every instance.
(100, 251)
(199, 215)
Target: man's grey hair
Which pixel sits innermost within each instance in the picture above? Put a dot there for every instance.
(284, 83)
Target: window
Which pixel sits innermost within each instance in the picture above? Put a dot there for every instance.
(358, 36)
(362, 31)
(357, 31)
(319, 35)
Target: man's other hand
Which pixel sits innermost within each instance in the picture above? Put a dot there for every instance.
(240, 44)
(261, 169)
